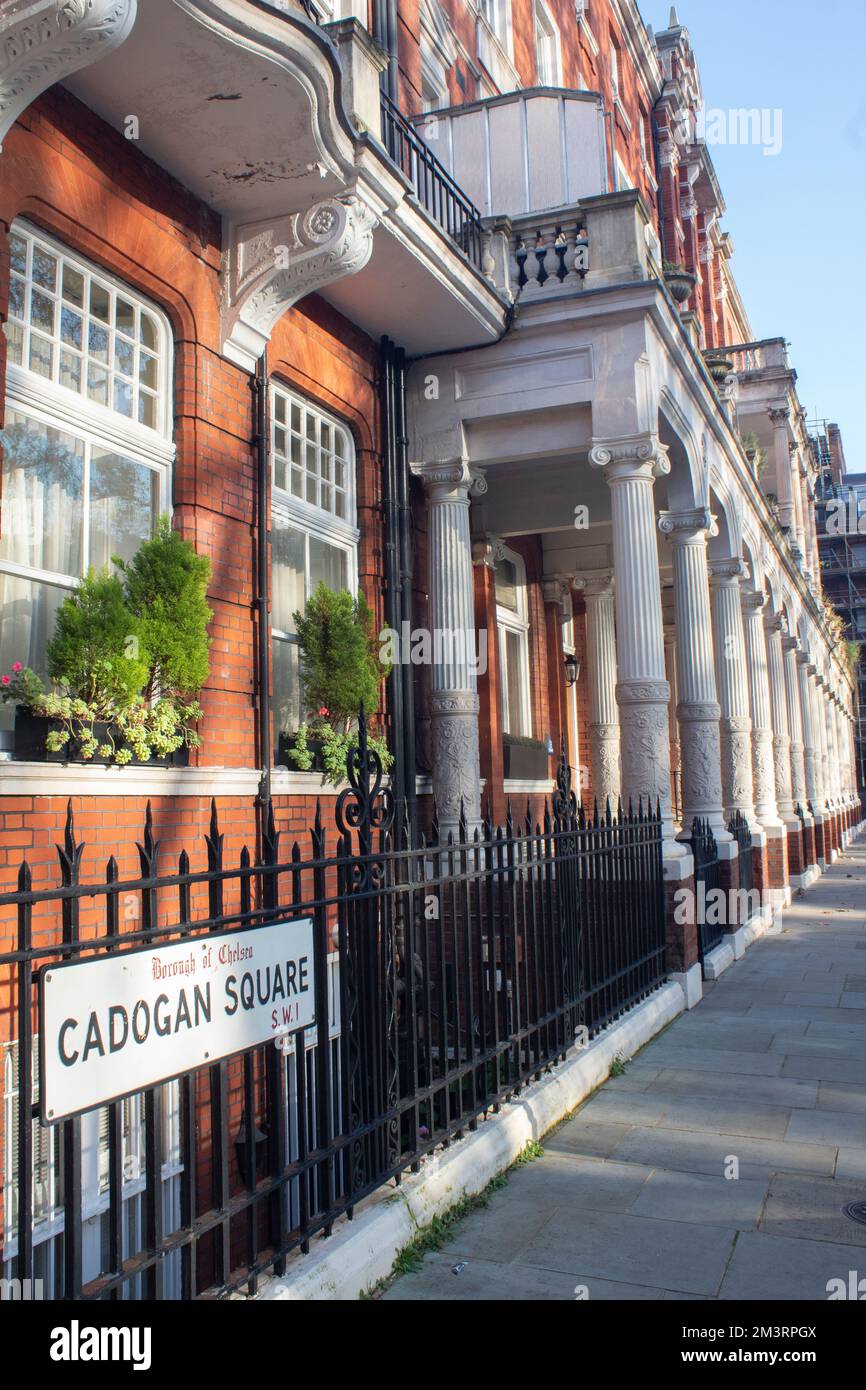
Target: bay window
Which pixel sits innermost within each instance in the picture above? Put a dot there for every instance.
(86, 441)
(313, 535)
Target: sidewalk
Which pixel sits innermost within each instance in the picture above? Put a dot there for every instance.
(631, 1201)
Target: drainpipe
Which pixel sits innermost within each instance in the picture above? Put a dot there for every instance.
(658, 173)
(385, 34)
(260, 444)
(398, 568)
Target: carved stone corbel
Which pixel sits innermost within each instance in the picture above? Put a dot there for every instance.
(41, 43)
(272, 265)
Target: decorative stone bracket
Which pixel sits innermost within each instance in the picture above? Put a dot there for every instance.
(41, 43)
(272, 265)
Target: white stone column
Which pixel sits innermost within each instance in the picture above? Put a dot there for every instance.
(698, 707)
(670, 633)
(759, 701)
(821, 716)
(604, 732)
(790, 647)
(454, 704)
(780, 720)
(811, 753)
(630, 467)
(735, 726)
(779, 417)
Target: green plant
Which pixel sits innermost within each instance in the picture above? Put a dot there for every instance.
(97, 651)
(22, 686)
(617, 1067)
(674, 268)
(165, 585)
(852, 655)
(340, 666)
(335, 749)
(129, 653)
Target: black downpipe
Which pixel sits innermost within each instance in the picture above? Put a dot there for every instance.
(658, 173)
(398, 569)
(260, 389)
(385, 34)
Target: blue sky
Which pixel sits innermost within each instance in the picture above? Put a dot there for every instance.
(798, 220)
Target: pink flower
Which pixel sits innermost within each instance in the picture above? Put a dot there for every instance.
(17, 666)
(323, 712)
(7, 680)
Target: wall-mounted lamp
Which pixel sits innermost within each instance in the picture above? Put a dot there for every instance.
(572, 669)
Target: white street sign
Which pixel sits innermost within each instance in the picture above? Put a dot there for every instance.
(122, 1023)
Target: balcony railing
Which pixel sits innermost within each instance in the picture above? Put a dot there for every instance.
(756, 357)
(434, 187)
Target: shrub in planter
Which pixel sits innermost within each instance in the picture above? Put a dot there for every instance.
(127, 660)
(340, 670)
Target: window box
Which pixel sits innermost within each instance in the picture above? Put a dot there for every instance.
(525, 759)
(286, 742)
(31, 731)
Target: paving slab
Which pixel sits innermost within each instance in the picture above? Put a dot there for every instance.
(800, 1205)
(774, 1267)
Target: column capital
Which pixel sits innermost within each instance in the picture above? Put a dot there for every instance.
(790, 644)
(450, 479)
(754, 601)
(779, 415)
(556, 589)
(684, 527)
(637, 456)
(773, 622)
(730, 571)
(599, 585)
(488, 550)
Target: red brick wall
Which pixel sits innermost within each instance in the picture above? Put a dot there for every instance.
(66, 171)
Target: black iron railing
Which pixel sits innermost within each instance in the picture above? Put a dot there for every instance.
(707, 879)
(739, 828)
(447, 974)
(434, 187)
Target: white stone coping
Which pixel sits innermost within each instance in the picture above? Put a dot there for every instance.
(362, 1251)
(99, 779)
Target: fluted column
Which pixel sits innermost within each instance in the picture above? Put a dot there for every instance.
(811, 754)
(454, 703)
(821, 717)
(630, 467)
(604, 732)
(759, 701)
(698, 707)
(735, 725)
(779, 418)
(670, 633)
(790, 647)
(779, 714)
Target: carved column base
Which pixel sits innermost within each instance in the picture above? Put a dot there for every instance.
(764, 777)
(702, 786)
(604, 763)
(456, 772)
(645, 746)
(736, 756)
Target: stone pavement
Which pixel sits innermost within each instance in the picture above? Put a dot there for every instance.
(630, 1200)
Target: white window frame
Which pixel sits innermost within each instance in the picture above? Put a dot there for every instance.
(46, 402)
(516, 622)
(497, 16)
(548, 46)
(313, 521)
